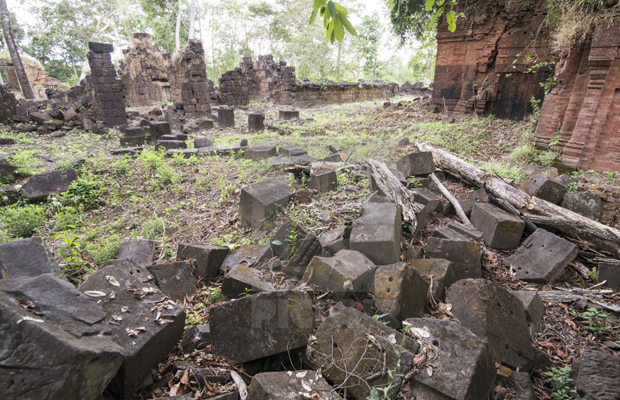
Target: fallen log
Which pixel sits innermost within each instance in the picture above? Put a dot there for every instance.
(394, 189)
(538, 211)
(558, 296)
(453, 201)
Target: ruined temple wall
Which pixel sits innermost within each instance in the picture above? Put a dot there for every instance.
(583, 110)
(188, 81)
(481, 67)
(317, 94)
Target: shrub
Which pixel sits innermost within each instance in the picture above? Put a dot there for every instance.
(86, 191)
(23, 221)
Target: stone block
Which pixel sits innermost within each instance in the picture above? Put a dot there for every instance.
(495, 315)
(203, 142)
(501, 230)
(542, 257)
(176, 279)
(597, 375)
(335, 240)
(196, 337)
(469, 377)
(521, 382)
(566, 180)
(132, 151)
(207, 259)
(587, 204)
(206, 151)
(464, 230)
(256, 122)
(533, 306)
(249, 255)
(609, 271)
(204, 124)
(400, 291)
(288, 114)
(467, 202)
(309, 247)
(427, 197)
(56, 343)
(100, 47)
(139, 251)
(545, 188)
(345, 350)
(175, 136)
(260, 152)
(323, 180)
(226, 117)
(261, 325)
(377, 233)
(302, 384)
(242, 280)
(229, 150)
(464, 253)
(170, 144)
(442, 271)
(287, 237)
(335, 157)
(26, 258)
(344, 274)
(263, 200)
(158, 129)
(290, 150)
(420, 163)
(187, 153)
(146, 331)
(39, 187)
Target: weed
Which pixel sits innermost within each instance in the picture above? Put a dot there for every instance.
(105, 251)
(383, 392)
(68, 217)
(23, 221)
(152, 229)
(596, 320)
(74, 266)
(413, 183)
(167, 175)
(555, 140)
(573, 186)
(151, 159)
(593, 274)
(561, 383)
(192, 319)
(212, 294)
(246, 292)
(120, 167)
(86, 191)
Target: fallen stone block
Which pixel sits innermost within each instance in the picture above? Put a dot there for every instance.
(291, 385)
(323, 180)
(356, 350)
(377, 233)
(309, 247)
(263, 200)
(542, 257)
(229, 150)
(471, 376)
(241, 281)
(344, 274)
(40, 186)
(400, 291)
(463, 252)
(206, 151)
(501, 230)
(464, 230)
(587, 204)
(287, 238)
(335, 240)
(226, 117)
(170, 144)
(204, 124)
(203, 142)
(174, 136)
(442, 272)
(187, 153)
(176, 279)
(290, 150)
(26, 258)
(544, 187)
(477, 196)
(521, 382)
(533, 306)
(132, 151)
(288, 114)
(495, 315)
(261, 325)
(335, 157)
(608, 272)
(139, 251)
(256, 122)
(146, 325)
(597, 375)
(157, 129)
(196, 337)
(207, 259)
(426, 197)
(248, 255)
(420, 163)
(55, 343)
(260, 152)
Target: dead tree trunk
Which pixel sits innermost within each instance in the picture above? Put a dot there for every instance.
(537, 210)
(15, 58)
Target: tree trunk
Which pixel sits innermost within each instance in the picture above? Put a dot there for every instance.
(22, 77)
(538, 211)
(177, 29)
(192, 19)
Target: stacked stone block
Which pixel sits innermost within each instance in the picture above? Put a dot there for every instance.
(234, 88)
(8, 104)
(189, 84)
(108, 89)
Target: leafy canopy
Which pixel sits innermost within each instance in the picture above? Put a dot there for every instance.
(334, 19)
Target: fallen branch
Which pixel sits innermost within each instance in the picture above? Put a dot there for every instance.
(394, 189)
(536, 210)
(558, 296)
(453, 200)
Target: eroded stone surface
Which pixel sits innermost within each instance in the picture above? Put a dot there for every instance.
(420, 163)
(377, 233)
(206, 258)
(248, 255)
(442, 272)
(400, 291)
(263, 200)
(40, 186)
(598, 376)
(139, 251)
(501, 230)
(291, 385)
(464, 253)
(176, 279)
(26, 258)
(242, 280)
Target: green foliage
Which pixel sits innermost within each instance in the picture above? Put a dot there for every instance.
(596, 320)
(152, 229)
(555, 140)
(415, 17)
(561, 383)
(335, 19)
(86, 191)
(246, 292)
(573, 186)
(593, 273)
(23, 221)
(27, 162)
(212, 294)
(74, 265)
(106, 250)
(413, 183)
(68, 217)
(167, 175)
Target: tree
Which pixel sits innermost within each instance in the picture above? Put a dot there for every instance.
(335, 19)
(367, 43)
(20, 71)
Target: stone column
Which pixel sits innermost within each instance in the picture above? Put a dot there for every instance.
(108, 89)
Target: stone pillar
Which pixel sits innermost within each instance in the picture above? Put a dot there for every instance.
(189, 79)
(108, 89)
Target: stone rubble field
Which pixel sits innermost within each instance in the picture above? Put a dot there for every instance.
(315, 279)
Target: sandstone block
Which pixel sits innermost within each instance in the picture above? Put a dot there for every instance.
(545, 188)
(542, 257)
(400, 291)
(260, 152)
(170, 144)
(26, 258)
(158, 129)
(608, 270)
(462, 252)
(442, 271)
(288, 114)
(242, 280)
(291, 385)
(256, 122)
(335, 240)
(598, 375)
(196, 337)
(501, 230)
(419, 163)
(467, 202)
(533, 306)
(40, 186)
(176, 279)
(464, 230)
(377, 233)
(139, 251)
(206, 258)
(323, 180)
(309, 247)
(248, 255)
(587, 204)
(261, 325)
(290, 150)
(203, 142)
(226, 117)
(263, 200)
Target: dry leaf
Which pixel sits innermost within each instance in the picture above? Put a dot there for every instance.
(112, 280)
(419, 359)
(94, 293)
